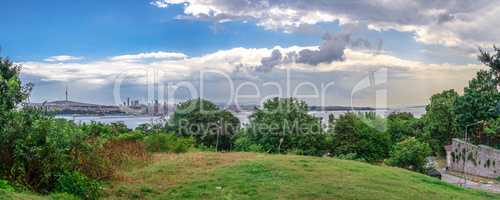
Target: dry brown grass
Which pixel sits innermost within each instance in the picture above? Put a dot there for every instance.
(105, 163)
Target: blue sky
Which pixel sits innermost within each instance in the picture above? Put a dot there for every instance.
(96, 29)
(240, 37)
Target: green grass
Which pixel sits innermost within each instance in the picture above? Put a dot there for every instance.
(261, 176)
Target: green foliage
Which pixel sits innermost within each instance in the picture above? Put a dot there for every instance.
(97, 129)
(401, 126)
(244, 143)
(410, 154)
(440, 120)
(353, 136)
(493, 127)
(5, 186)
(78, 185)
(151, 128)
(11, 90)
(205, 122)
(284, 124)
(478, 103)
(35, 148)
(492, 61)
(163, 142)
(373, 120)
(132, 136)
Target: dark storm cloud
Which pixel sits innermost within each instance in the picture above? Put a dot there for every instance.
(268, 63)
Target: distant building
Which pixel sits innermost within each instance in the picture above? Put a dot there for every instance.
(156, 108)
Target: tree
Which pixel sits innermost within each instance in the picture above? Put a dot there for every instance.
(399, 126)
(440, 124)
(492, 61)
(478, 103)
(12, 92)
(410, 154)
(353, 136)
(209, 125)
(283, 125)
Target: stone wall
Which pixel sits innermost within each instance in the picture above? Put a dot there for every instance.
(479, 160)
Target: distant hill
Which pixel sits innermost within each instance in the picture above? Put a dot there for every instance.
(72, 107)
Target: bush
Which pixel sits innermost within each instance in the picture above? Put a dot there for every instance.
(78, 185)
(5, 186)
(244, 143)
(256, 148)
(132, 136)
(36, 148)
(168, 143)
(103, 160)
(410, 154)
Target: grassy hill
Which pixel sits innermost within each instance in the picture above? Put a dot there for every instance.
(202, 175)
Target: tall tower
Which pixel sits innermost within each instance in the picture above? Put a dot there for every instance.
(66, 93)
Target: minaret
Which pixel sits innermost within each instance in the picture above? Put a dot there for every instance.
(66, 93)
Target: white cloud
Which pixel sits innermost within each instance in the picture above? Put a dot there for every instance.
(260, 65)
(62, 58)
(236, 62)
(448, 22)
(160, 55)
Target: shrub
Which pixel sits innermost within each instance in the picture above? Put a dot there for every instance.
(410, 154)
(256, 148)
(36, 148)
(78, 185)
(167, 143)
(244, 143)
(104, 160)
(4, 185)
(132, 136)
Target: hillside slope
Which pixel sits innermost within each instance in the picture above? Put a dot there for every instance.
(262, 176)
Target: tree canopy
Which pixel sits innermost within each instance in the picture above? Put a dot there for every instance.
(209, 125)
(12, 91)
(284, 124)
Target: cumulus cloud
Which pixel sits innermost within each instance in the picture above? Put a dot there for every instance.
(447, 22)
(62, 58)
(236, 62)
(332, 49)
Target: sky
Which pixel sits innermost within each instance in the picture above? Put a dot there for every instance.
(376, 53)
